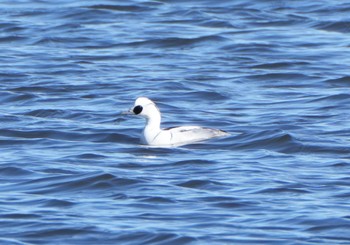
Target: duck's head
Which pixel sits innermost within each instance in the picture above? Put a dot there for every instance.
(145, 107)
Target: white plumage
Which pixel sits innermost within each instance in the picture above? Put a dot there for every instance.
(155, 136)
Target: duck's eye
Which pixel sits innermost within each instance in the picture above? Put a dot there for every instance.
(137, 109)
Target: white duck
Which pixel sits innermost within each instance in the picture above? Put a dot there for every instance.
(155, 136)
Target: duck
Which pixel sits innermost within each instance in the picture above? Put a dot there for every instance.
(154, 135)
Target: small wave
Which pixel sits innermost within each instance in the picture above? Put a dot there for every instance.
(338, 26)
(17, 76)
(217, 24)
(40, 89)
(85, 182)
(277, 140)
(41, 234)
(193, 162)
(47, 113)
(9, 172)
(285, 190)
(281, 76)
(280, 141)
(57, 203)
(9, 241)
(98, 137)
(21, 216)
(9, 97)
(213, 96)
(172, 42)
(342, 97)
(339, 82)
(326, 149)
(12, 39)
(40, 134)
(328, 224)
(253, 47)
(201, 184)
(279, 65)
(90, 156)
(123, 8)
(13, 142)
(228, 202)
(143, 237)
(157, 200)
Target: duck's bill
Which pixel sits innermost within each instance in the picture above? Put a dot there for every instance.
(122, 116)
(129, 112)
(126, 113)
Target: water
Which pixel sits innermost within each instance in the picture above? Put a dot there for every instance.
(275, 74)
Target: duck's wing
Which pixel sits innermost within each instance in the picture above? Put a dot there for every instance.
(193, 134)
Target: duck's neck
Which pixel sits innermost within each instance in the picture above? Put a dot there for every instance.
(152, 128)
(153, 123)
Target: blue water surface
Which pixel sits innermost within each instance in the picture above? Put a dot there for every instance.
(274, 74)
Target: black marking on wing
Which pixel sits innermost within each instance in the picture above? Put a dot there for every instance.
(186, 129)
(181, 130)
(170, 128)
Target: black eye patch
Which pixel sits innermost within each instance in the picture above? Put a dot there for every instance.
(137, 109)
